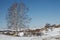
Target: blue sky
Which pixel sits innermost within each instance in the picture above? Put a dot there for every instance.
(41, 11)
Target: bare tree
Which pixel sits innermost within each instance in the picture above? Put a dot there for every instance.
(47, 25)
(17, 16)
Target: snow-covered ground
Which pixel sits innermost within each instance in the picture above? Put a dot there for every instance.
(5, 37)
(49, 35)
(53, 34)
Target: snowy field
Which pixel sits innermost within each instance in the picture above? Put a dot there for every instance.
(4, 37)
(49, 35)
